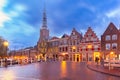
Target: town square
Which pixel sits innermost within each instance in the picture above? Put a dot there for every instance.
(59, 40)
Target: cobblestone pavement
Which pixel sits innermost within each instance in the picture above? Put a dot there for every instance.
(53, 71)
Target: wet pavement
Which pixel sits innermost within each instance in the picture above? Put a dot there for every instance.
(53, 71)
(114, 71)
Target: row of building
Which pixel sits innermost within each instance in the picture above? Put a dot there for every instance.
(74, 47)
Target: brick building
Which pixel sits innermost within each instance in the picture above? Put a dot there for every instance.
(110, 42)
(73, 43)
(90, 46)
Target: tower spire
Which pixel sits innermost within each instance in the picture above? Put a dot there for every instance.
(44, 23)
(44, 31)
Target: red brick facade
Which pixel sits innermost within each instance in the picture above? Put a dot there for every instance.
(90, 46)
(110, 42)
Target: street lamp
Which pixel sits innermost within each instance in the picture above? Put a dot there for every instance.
(111, 53)
(6, 44)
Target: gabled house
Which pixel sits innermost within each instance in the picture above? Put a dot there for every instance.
(110, 42)
(90, 46)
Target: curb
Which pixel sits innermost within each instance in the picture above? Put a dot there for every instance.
(88, 66)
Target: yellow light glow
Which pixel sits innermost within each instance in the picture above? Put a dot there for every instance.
(8, 75)
(5, 43)
(111, 53)
(64, 53)
(63, 68)
(96, 54)
(73, 47)
(15, 57)
(35, 56)
(89, 46)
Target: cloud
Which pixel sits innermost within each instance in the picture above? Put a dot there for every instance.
(3, 18)
(14, 25)
(113, 13)
(2, 3)
(86, 6)
(20, 18)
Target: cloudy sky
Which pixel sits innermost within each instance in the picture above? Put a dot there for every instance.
(20, 20)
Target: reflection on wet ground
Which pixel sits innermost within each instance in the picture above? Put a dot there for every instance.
(53, 71)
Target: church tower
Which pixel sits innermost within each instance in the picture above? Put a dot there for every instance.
(44, 31)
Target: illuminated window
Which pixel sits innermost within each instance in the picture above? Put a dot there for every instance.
(107, 37)
(114, 45)
(114, 37)
(107, 46)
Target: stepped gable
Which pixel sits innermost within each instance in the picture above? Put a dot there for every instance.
(90, 35)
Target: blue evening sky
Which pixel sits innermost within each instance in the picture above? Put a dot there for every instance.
(20, 20)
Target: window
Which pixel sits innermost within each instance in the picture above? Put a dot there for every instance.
(73, 33)
(108, 37)
(96, 46)
(73, 42)
(60, 49)
(78, 49)
(70, 49)
(65, 42)
(74, 50)
(107, 46)
(94, 39)
(63, 49)
(66, 49)
(114, 37)
(114, 45)
(89, 35)
(87, 39)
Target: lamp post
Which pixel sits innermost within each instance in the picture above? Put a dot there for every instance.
(111, 53)
(5, 44)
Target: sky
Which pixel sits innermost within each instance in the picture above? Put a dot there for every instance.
(21, 20)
